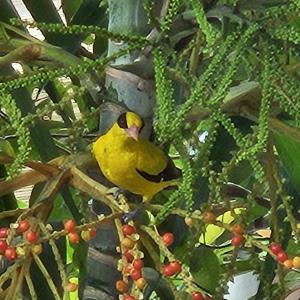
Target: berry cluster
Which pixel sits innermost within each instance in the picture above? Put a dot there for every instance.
(12, 252)
(132, 270)
(283, 257)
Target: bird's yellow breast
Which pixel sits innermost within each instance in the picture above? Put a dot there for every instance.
(119, 158)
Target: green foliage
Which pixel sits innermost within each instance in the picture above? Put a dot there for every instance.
(225, 69)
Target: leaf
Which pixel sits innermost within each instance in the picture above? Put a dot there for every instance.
(158, 284)
(205, 268)
(6, 147)
(289, 153)
(70, 7)
(213, 232)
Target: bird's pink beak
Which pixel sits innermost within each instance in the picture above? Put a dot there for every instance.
(133, 131)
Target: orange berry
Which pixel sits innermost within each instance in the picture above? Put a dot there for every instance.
(127, 269)
(209, 217)
(37, 249)
(72, 287)
(189, 221)
(238, 229)
(296, 262)
(74, 237)
(288, 263)
(121, 286)
(127, 243)
(140, 283)
(69, 225)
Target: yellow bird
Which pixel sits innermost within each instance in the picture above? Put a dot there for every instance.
(132, 162)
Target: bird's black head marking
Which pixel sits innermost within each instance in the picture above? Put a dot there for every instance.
(122, 122)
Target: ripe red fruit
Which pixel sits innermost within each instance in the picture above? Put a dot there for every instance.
(168, 239)
(93, 232)
(129, 256)
(72, 287)
(138, 264)
(168, 271)
(23, 226)
(10, 253)
(3, 232)
(31, 236)
(275, 248)
(69, 225)
(197, 296)
(135, 274)
(175, 265)
(74, 237)
(282, 256)
(129, 297)
(3, 246)
(128, 229)
(237, 240)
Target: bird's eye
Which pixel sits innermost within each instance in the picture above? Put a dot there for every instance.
(122, 122)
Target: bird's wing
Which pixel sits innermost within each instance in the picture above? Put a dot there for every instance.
(153, 164)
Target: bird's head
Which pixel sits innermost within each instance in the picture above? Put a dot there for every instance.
(131, 123)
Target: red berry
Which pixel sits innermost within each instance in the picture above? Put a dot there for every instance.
(3, 246)
(23, 226)
(138, 264)
(74, 237)
(135, 274)
(128, 229)
(31, 236)
(3, 232)
(168, 239)
(93, 232)
(237, 240)
(10, 253)
(69, 225)
(282, 256)
(176, 266)
(275, 248)
(72, 287)
(129, 256)
(197, 296)
(129, 297)
(168, 271)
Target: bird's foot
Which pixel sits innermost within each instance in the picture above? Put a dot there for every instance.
(116, 192)
(132, 215)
